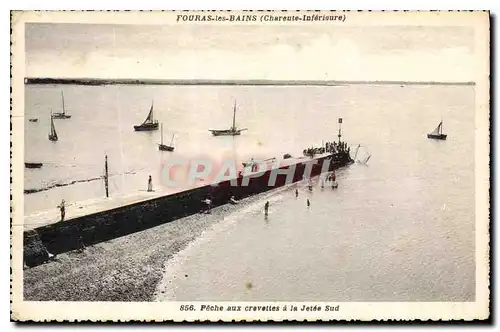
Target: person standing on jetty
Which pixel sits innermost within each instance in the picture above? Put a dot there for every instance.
(266, 208)
(150, 184)
(62, 208)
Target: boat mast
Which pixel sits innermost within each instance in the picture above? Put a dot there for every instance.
(152, 114)
(234, 116)
(106, 175)
(357, 149)
(172, 141)
(52, 127)
(62, 98)
(162, 134)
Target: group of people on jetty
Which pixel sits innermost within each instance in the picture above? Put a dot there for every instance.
(330, 147)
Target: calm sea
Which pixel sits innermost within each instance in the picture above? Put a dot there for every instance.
(400, 227)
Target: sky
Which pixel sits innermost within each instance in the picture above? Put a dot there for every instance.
(375, 53)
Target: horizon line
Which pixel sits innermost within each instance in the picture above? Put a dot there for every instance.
(257, 82)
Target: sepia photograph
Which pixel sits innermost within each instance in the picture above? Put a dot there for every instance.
(316, 165)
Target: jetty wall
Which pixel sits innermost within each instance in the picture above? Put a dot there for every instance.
(98, 227)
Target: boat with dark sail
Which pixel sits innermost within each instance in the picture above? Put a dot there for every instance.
(438, 132)
(233, 131)
(61, 115)
(163, 147)
(33, 165)
(53, 134)
(150, 123)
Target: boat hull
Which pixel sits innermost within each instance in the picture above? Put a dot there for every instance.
(226, 132)
(146, 127)
(53, 138)
(163, 147)
(60, 237)
(33, 120)
(437, 136)
(33, 165)
(60, 116)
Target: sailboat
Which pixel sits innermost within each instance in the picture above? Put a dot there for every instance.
(233, 131)
(163, 147)
(438, 132)
(364, 157)
(53, 134)
(149, 124)
(61, 115)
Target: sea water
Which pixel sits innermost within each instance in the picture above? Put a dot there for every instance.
(400, 227)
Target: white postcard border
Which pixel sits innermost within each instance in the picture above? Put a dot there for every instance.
(155, 311)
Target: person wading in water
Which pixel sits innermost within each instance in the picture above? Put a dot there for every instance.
(296, 193)
(62, 208)
(308, 203)
(266, 208)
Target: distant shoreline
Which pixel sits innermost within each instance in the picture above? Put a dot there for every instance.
(98, 82)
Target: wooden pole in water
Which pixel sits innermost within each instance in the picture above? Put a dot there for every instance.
(106, 175)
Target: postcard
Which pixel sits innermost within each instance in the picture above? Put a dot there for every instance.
(250, 166)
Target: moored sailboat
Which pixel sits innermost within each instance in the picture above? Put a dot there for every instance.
(150, 123)
(61, 115)
(233, 131)
(438, 132)
(163, 147)
(53, 134)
